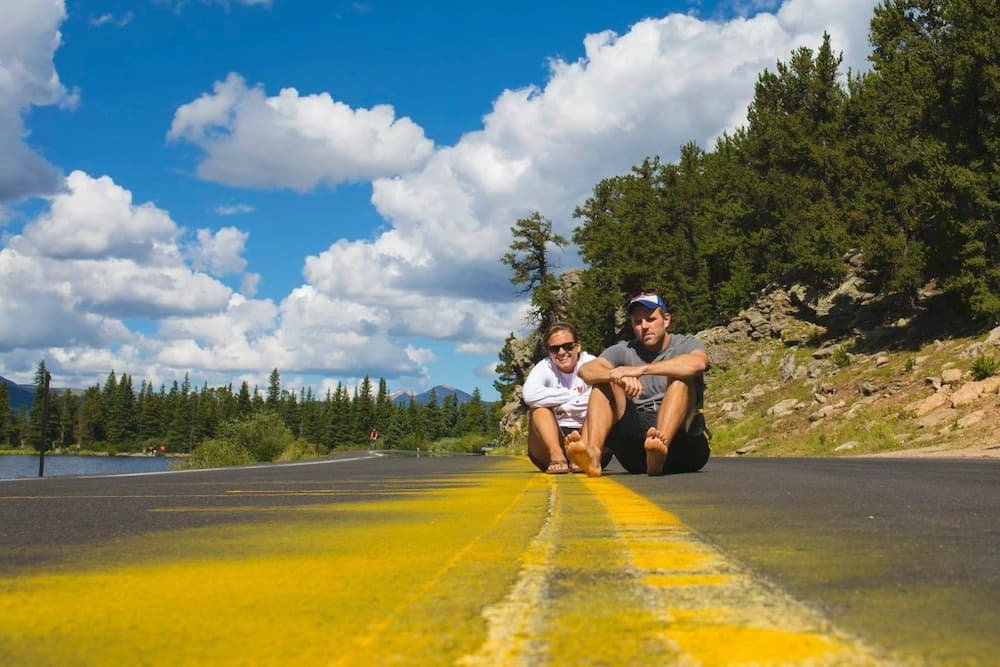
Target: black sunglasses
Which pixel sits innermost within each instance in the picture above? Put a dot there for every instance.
(565, 347)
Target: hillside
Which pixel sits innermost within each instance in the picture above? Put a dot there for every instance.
(851, 373)
(403, 397)
(21, 396)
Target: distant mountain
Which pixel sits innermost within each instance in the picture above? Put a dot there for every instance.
(21, 395)
(403, 397)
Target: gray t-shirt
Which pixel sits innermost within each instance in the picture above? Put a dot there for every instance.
(631, 353)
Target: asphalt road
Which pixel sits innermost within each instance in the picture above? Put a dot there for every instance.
(902, 554)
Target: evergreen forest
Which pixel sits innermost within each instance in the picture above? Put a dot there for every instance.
(222, 426)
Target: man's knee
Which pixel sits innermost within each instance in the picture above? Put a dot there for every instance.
(678, 389)
(609, 396)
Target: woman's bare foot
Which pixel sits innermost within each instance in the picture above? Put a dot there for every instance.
(656, 452)
(583, 455)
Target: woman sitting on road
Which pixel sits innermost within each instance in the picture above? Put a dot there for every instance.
(556, 398)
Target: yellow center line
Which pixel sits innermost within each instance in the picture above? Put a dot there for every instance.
(712, 611)
(378, 630)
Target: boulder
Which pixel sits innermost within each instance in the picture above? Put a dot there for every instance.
(938, 417)
(951, 375)
(788, 368)
(824, 352)
(783, 408)
(970, 391)
(822, 413)
(931, 403)
(971, 419)
(991, 385)
(993, 340)
(974, 350)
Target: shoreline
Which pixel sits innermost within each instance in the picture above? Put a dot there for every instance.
(86, 452)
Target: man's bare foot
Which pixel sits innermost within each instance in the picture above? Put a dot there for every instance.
(656, 452)
(583, 455)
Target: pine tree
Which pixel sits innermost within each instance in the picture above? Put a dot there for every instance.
(243, 404)
(90, 419)
(415, 423)
(399, 428)
(178, 427)
(449, 416)
(5, 416)
(926, 134)
(339, 430)
(150, 416)
(290, 412)
(383, 407)
(121, 412)
(532, 267)
(39, 430)
(509, 374)
(433, 419)
(474, 416)
(109, 414)
(312, 418)
(68, 405)
(363, 410)
(274, 390)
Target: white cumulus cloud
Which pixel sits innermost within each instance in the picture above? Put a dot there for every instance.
(294, 141)
(29, 37)
(91, 260)
(221, 253)
(96, 219)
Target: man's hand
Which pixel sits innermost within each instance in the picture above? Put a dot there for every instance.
(631, 385)
(599, 371)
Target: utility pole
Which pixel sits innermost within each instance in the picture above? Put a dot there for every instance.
(45, 425)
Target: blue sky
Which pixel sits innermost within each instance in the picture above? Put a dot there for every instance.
(222, 188)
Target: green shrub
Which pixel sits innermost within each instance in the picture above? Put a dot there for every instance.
(412, 442)
(218, 453)
(299, 450)
(263, 435)
(840, 358)
(474, 443)
(983, 367)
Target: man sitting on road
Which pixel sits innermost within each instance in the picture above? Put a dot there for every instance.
(647, 398)
(556, 398)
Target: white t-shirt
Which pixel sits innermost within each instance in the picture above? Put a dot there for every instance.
(548, 387)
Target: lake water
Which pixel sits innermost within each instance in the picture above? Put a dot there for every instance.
(17, 465)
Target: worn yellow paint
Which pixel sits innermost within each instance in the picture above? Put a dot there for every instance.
(362, 583)
(710, 611)
(674, 580)
(508, 568)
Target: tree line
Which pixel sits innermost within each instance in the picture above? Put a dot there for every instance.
(897, 165)
(118, 416)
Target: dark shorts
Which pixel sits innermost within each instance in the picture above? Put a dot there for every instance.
(687, 453)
